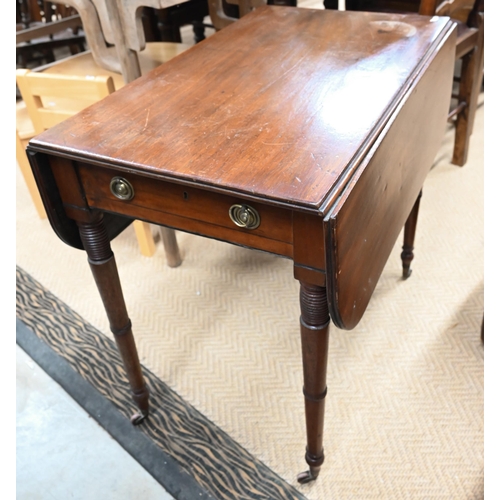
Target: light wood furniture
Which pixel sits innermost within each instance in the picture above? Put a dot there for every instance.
(70, 85)
(115, 31)
(154, 54)
(50, 99)
(22, 139)
(302, 140)
(47, 101)
(116, 36)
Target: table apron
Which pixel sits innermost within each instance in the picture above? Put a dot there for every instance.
(187, 208)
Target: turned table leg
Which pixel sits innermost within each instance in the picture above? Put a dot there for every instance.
(102, 263)
(314, 325)
(409, 238)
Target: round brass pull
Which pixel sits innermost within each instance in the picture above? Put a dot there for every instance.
(244, 216)
(121, 188)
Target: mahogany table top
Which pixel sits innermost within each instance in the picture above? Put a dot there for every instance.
(283, 118)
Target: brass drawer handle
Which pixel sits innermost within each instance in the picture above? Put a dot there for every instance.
(244, 216)
(121, 188)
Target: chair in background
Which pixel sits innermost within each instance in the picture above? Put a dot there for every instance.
(42, 28)
(50, 99)
(225, 12)
(218, 11)
(46, 101)
(469, 17)
(24, 132)
(115, 34)
(165, 24)
(39, 111)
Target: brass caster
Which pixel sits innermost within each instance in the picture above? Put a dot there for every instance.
(138, 418)
(308, 475)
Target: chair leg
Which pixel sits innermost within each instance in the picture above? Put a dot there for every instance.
(29, 179)
(171, 248)
(470, 84)
(148, 247)
(145, 238)
(409, 238)
(198, 30)
(331, 4)
(468, 94)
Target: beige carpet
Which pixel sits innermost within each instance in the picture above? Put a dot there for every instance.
(405, 403)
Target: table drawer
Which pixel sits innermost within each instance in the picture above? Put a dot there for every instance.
(183, 201)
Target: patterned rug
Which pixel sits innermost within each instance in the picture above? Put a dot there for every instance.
(210, 456)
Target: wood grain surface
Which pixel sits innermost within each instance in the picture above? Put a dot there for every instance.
(278, 114)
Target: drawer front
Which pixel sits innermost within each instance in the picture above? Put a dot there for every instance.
(187, 208)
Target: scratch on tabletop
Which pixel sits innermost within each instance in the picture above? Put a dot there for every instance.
(147, 120)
